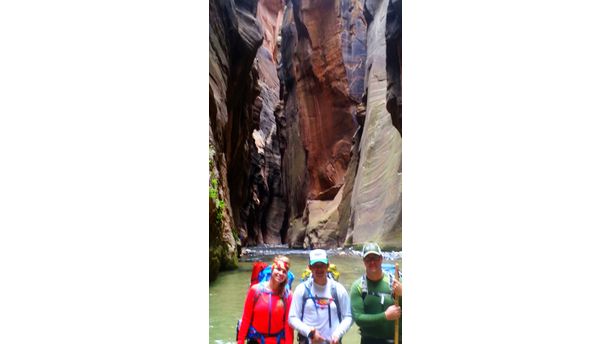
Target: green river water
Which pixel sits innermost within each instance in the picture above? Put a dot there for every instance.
(228, 292)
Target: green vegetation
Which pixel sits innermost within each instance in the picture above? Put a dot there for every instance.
(220, 258)
(213, 187)
(213, 191)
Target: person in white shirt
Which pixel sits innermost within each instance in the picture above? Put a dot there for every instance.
(321, 309)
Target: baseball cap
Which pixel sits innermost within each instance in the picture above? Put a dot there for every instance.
(318, 256)
(371, 248)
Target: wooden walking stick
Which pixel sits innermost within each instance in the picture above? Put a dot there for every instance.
(396, 297)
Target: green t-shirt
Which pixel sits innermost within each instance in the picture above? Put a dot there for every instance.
(369, 313)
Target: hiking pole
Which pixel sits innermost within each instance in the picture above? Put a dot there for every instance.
(397, 304)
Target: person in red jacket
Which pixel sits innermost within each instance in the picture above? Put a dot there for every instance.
(266, 309)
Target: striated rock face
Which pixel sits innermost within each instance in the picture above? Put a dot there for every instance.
(235, 38)
(264, 211)
(321, 230)
(323, 61)
(345, 211)
(376, 198)
(393, 37)
(354, 46)
(369, 205)
(322, 94)
(305, 124)
(294, 174)
(245, 89)
(270, 16)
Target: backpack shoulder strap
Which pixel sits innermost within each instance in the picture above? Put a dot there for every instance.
(306, 295)
(258, 291)
(334, 292)
(364, 287)
(284, 298)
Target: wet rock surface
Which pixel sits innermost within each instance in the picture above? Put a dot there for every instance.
(321, 92)
(263, 212)
(235, 37)
(305, 124)
(323, 61)
(376, 197)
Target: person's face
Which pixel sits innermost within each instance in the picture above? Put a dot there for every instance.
(319, 270)
(279, 274)
(372, 262)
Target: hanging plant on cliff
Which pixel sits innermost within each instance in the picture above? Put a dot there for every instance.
(213, 187)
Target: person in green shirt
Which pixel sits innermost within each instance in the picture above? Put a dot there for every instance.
(372, 304)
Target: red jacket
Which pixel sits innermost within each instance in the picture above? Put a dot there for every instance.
(257, 314)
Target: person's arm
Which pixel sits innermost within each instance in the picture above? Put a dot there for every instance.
(295, 311)
(347, 319)
(247, 315)
(288, 328)
(357, 309)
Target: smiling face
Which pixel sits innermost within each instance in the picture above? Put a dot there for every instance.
(319, 272)
(373, 265)
(279, 273)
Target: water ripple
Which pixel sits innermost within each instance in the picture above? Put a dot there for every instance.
(254, 253)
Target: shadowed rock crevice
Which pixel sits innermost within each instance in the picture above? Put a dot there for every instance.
(305, 123)
(393, 37)
(234, 39)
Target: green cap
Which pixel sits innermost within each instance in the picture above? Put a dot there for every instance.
(371, 248)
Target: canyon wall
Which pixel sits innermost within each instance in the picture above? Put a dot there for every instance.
(247, 204)
(262, 213)
(393, 40)
(305, 124)
(235, 37)
(323, 65)
(322, 95)
(376, 198)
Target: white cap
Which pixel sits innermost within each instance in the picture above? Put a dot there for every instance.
(318, 256)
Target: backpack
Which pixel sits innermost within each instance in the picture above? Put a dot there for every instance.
(252, 334)
(332, 273)
(261, 272)
(389, 270)
(333, 276)
(255, 271)
(264, 274)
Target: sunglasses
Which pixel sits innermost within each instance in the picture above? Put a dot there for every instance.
(372, 259)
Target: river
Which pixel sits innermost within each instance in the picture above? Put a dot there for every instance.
(228, 291)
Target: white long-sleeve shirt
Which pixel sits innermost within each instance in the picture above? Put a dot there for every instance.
(318, 316)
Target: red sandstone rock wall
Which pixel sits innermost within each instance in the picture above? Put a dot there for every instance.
(288, 91)
(324, 50)
(325, 110)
